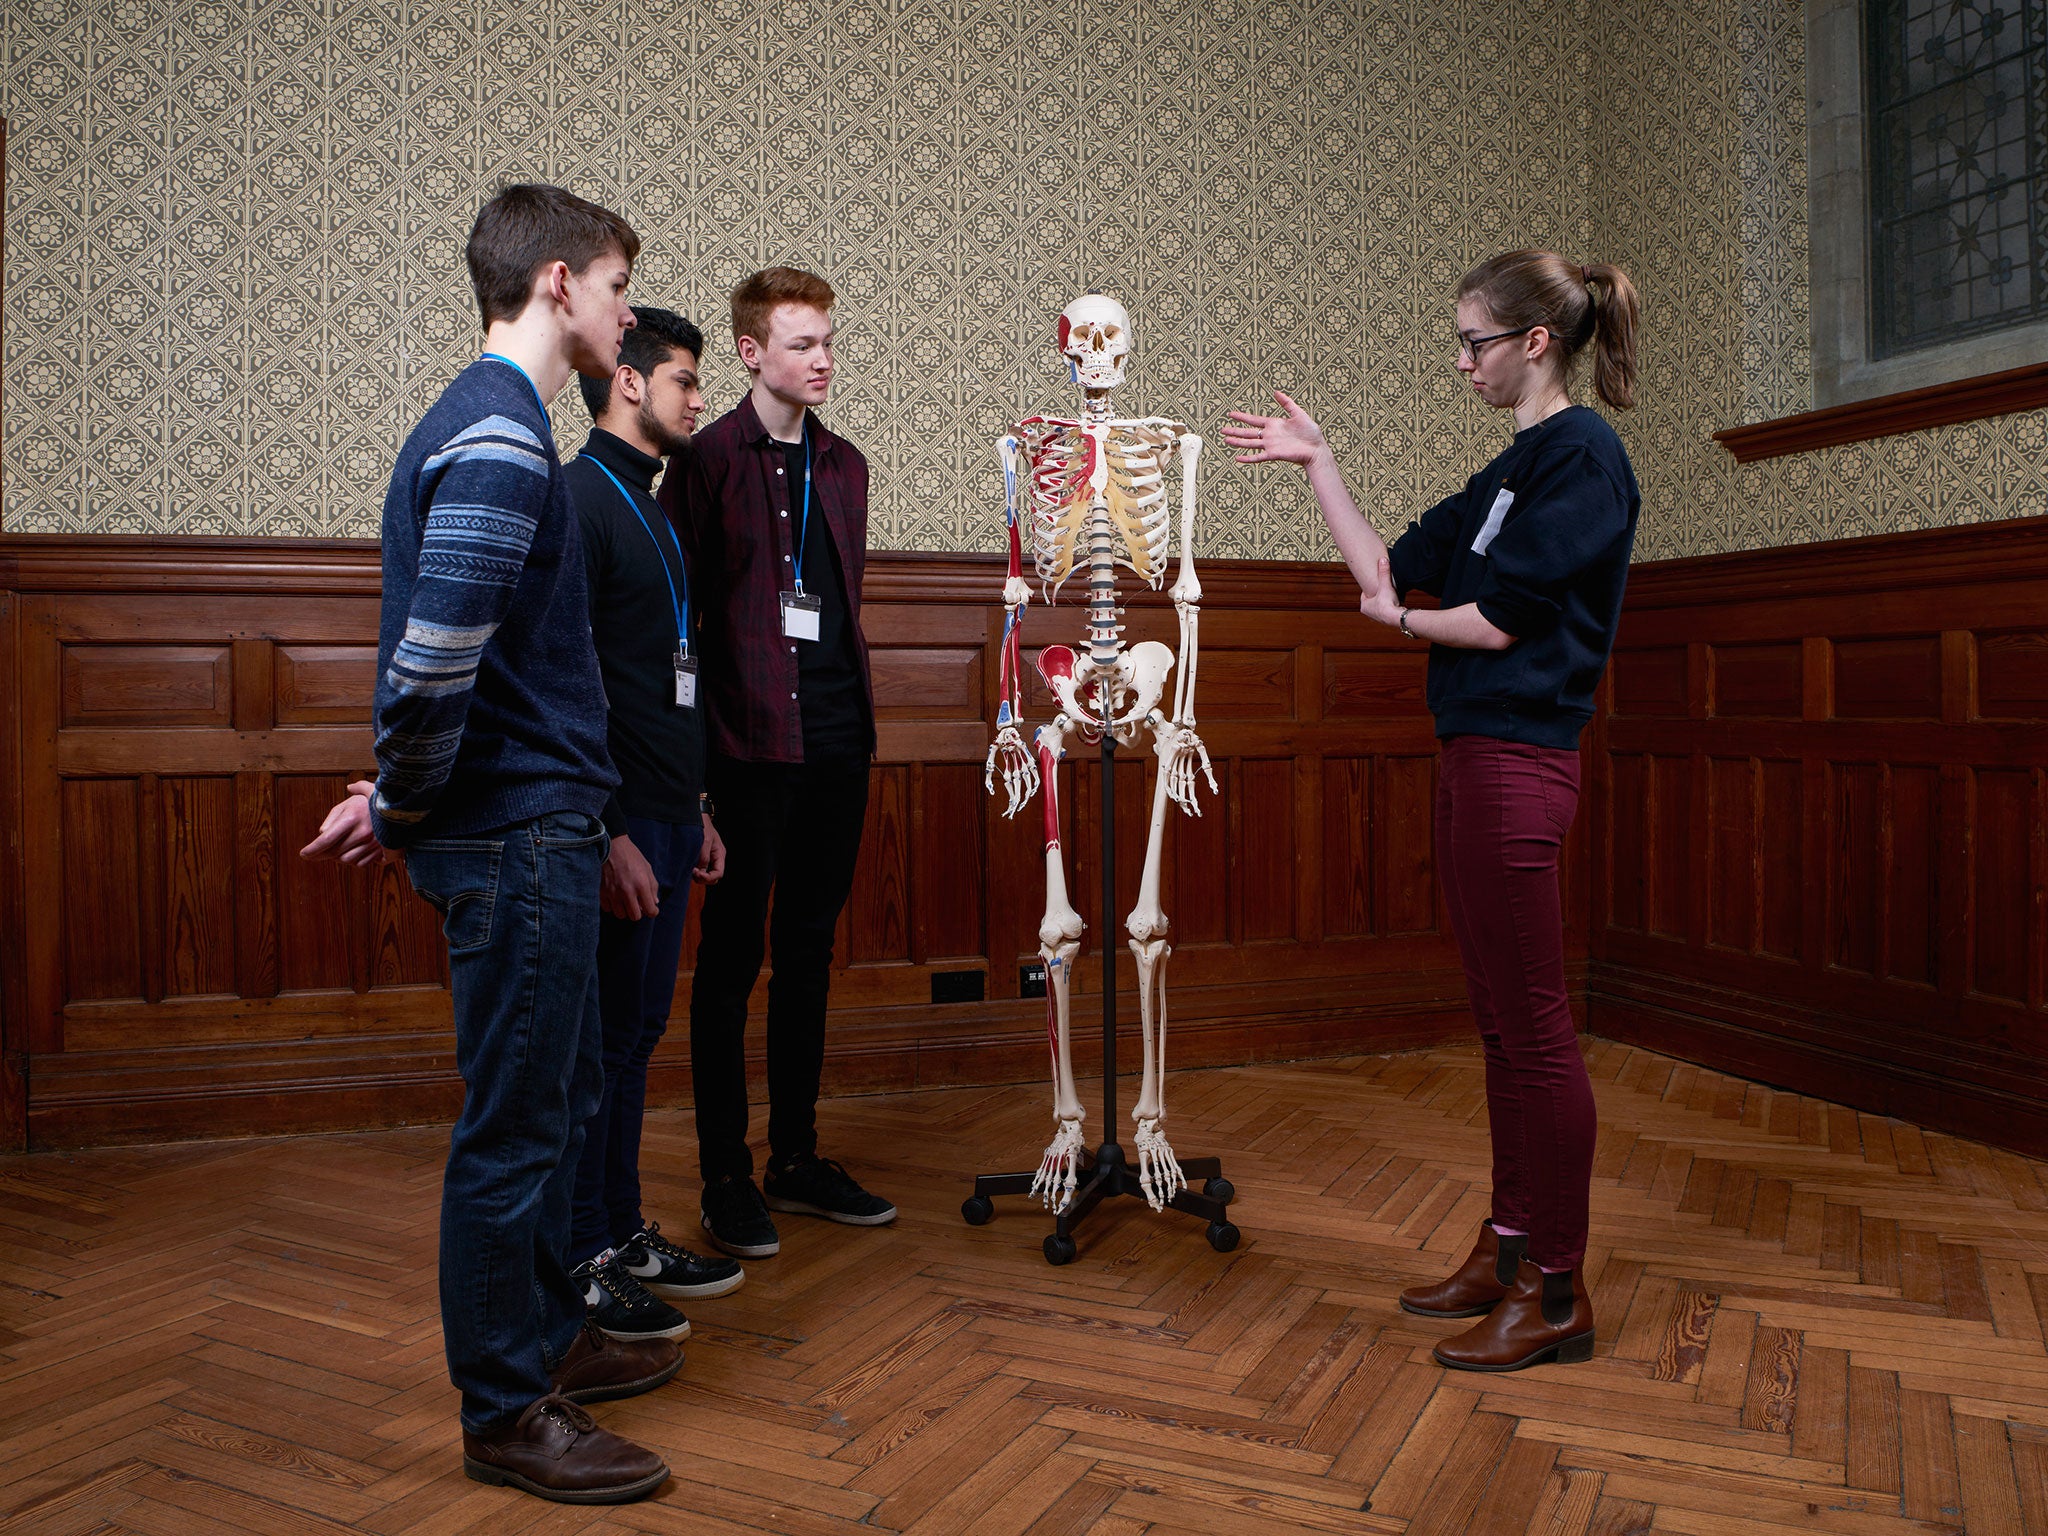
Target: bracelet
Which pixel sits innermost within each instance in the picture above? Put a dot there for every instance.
(1404, 626)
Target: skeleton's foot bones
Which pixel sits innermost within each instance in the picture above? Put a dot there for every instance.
(1059, 1171)
(1159, 1172)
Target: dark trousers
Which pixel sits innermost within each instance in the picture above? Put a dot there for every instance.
(792, 830)
(1502, 811)
(519, 909)
(636, 987)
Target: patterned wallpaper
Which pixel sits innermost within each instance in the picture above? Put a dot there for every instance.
(234, 228)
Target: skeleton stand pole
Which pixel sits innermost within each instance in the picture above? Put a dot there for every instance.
(1110, 1173)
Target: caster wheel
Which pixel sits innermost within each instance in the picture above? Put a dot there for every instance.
(1220, 1190)
(1222, 1236)
(977, 1210)
(1059, 1250)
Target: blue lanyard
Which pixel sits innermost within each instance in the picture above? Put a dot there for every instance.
(681, 605)
(499, 357)
(803, 538)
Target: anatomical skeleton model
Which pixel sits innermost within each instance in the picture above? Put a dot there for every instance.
(1093, 493)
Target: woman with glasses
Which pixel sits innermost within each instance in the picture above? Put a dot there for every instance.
(1527, 564)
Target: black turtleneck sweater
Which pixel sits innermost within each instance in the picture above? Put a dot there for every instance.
(657, 746)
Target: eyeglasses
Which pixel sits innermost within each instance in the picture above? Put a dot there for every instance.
(1468, 346)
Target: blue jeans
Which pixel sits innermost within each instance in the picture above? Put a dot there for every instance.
(519, 909)
(636, 987)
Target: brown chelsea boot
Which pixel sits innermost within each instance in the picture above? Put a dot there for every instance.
(1544, 1318)
(1477, 1285)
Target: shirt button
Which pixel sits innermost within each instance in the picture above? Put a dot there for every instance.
(792, 695)
(785, 514)
(778, 469)
(785, 559)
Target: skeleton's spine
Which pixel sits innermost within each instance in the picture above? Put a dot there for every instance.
(1103, 630)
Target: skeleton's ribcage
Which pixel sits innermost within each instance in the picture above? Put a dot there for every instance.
(1061, 455)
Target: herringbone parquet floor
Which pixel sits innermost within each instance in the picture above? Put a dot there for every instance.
(1811, 1320)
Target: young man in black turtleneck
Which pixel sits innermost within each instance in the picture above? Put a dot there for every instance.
(661, 837)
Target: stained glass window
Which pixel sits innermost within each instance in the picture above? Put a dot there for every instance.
(1957, 109)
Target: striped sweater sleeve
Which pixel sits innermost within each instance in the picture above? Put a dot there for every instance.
(485, 491)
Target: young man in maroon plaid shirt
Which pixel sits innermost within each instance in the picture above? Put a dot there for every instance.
(773, 514)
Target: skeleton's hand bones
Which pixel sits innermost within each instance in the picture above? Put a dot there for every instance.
(1019, 768)
(1181, 756)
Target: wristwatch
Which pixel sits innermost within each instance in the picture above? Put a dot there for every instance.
(705, 807)
(1404, 626)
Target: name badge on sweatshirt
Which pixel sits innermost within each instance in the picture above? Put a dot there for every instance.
(800, 612)
(686, 681)
(1494, 518)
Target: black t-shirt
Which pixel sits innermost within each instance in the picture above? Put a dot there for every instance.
(829, 695)
(657, 745)
(1539, 539)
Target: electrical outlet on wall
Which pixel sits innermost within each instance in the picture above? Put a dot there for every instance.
(1031, 979)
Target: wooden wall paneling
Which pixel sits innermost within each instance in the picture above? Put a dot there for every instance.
(1892, 844)
(1781, 864)
(2002, 908)
(320, 944)
(198, 941)
(103, 877)
(1672, 839)
(258, 954)
(1855, 870)
(1912, 862)
(1349, 864)
(1757, 681)
(13, 953)
(1267, 824)
(1412, 901)
(219, 704)
(1732, 853)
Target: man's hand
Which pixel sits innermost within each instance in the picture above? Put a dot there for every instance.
(627, 888)
(710, 858)
(346, 833)
(1290, 439)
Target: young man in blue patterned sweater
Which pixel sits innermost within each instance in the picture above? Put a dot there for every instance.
(492, 772)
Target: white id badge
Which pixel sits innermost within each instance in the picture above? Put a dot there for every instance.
(686, 681)
(800, 612)
(1497, 515)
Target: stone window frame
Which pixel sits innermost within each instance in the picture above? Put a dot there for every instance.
(1839, 243)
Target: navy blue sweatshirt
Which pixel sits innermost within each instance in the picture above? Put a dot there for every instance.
(1540, 540)
(489, 709)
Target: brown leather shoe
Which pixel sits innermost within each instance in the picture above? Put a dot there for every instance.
(1545, 1317)
(599, 1367)
(556, 1451)
(1477, 1285)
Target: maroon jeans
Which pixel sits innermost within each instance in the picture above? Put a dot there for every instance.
(1502, 811)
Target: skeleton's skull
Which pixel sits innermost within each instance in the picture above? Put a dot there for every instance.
(1095, 335)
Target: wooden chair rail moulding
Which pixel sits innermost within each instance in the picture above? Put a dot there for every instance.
(190, 708)
(1860, 421)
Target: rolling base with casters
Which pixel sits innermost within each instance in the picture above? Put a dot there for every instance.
(1104, 1176)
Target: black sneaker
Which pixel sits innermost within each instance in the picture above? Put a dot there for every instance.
(737, 1222)
(621, 1306)
(817, 1186)
(668, 1270)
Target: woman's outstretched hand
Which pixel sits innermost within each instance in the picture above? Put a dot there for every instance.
(1290, 439)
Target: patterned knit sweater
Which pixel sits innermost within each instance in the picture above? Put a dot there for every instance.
(489, 708)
